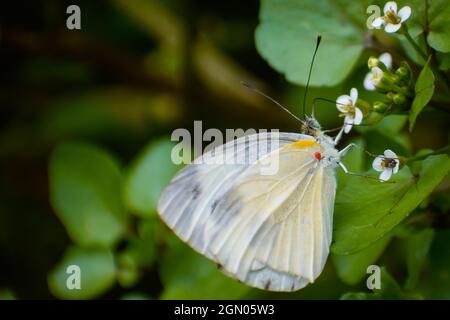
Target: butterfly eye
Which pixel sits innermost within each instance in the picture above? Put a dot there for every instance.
(318, 155)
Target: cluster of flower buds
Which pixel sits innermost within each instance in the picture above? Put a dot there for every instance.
(395, 84)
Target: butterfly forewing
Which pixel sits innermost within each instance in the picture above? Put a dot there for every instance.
(270, 231)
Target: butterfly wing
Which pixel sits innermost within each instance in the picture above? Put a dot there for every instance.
(270, 231)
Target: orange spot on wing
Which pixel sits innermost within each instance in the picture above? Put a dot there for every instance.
(304, 144)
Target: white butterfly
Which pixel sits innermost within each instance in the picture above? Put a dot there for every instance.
(270, 231)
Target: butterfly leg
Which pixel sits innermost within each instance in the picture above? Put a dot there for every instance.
(339, 136)
(344, 168)
(345, 150)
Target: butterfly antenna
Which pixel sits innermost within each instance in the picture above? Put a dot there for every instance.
(256, 90)
(319, 38)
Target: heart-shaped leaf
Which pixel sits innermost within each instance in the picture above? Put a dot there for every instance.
(94, 267)
(148, 175)
(286, 37)
(85, 189)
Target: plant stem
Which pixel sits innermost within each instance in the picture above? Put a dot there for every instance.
(445, 149)
(413, 43)
(433, 66)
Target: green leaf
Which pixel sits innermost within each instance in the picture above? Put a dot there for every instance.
(135, 296)
(353, 267)
(417, 247)
(353, 161)
(424, 92)
(390, 290)
(286, 37)
(387, 134)
(437, 282)
(143, 248)
(97, 273)
(378, 141)
(367, 209)
(439, 26)
(391, 124)
(444, 61)
(186, 274)
(139, 254)
(360, 296)
(127, 270)
(85, 189)
(148, 175)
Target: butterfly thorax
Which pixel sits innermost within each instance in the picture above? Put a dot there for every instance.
(329, 155)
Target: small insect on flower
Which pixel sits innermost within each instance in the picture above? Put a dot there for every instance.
(376, 73)
(387, 164)
(392, 20)
(346, 104)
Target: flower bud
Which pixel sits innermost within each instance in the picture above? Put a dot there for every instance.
(372, 62)
(399, 99)
(364, 106)
(379, 107)
(389, 97)
(386, 83)
(404, 72)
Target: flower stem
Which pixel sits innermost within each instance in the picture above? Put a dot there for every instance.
(436, 72)
(413, 43)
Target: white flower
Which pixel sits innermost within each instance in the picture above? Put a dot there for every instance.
(373, 78)
(375, 74)
(386, 58)
(392, 19)
(387, 164)
(346, 105)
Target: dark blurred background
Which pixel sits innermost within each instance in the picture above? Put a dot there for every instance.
(135, 71)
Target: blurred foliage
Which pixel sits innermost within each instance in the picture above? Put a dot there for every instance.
(286, 27)
(85, 141)
(141, 197)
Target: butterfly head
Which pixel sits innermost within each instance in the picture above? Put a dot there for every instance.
(311, 127)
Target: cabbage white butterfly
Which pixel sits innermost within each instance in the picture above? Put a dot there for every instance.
(269, 231)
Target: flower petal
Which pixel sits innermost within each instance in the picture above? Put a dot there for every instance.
(342, 101)
(376, 164)
(378, 71)
(376, 74)
(378, 22)
(347, 128)
(349, 118)
(358, 116)
(368, 83)
(386, 174)
(391, 5)
(386, 58)
(391, 28)
(404, 13)
(354, 95)
(390, 154)
(397, 165)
